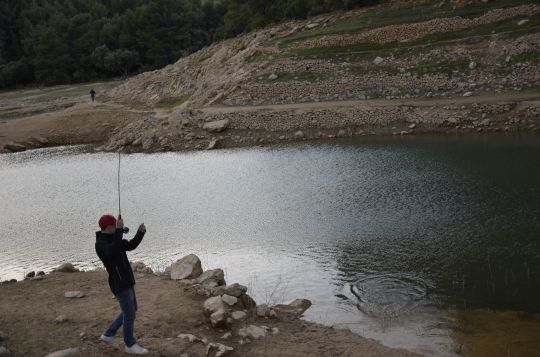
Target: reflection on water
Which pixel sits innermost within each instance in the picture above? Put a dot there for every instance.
(414, 225)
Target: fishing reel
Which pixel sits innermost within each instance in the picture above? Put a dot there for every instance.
(125, 229)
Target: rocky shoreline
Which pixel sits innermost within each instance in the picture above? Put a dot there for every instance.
(183, 311)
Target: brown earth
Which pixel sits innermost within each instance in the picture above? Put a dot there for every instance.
(28, 310)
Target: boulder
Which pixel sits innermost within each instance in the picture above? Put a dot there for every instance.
(238, 315)
(30, 275)
(297, 307)
(188, 267)
(14, 147)
(216, 126)
(253, 332)
(263, 310)
(73, 294)
(229, 300)
(246, 302)
(472, 65)
(40, 273)
(235, 289)
(70, 352)
(467, 94)
(66, 268)
(218, 350)
(211, 278)
(213, 304)
(273, 77)
(299, 134)
(140, 267)
(219, 318)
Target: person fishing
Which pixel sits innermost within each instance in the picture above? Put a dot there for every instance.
(92, 94)
(111, 249)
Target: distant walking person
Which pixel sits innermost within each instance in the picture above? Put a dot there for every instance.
(93, 94)
(111, 250)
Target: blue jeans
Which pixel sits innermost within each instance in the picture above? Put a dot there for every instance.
(128, 304)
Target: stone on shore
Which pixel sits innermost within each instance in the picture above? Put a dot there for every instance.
(140, 267)
(229, 300)
(238, 315)
(14, 147)
(30, 275)
(297, 307)
(188, 267)
(216, 126)
(70, 352)
(187, 336)
(235, 290)
(252, 331)
(74, 294)
(211, 278)
(66, 268)
(218, 350)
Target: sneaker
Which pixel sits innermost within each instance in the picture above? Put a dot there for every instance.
(136, 350)
(111, 341)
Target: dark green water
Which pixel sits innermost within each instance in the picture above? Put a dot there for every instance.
(414, 226)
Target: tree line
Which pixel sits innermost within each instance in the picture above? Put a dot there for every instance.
(50, 42)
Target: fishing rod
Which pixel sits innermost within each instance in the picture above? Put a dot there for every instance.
(126, 229)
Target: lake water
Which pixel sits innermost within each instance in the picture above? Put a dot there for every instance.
(386, 236)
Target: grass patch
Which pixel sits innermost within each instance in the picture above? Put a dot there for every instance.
(442, 67)
(401, 14)
(175, 102)
(261, 56)
(530, 56)
(509, 27)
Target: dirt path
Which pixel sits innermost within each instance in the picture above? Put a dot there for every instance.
(483, 98)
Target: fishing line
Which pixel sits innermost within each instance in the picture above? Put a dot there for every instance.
(126, 229)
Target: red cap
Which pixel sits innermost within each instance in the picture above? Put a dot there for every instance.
(106, 220)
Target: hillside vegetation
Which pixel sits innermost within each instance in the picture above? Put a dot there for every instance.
(68, 41)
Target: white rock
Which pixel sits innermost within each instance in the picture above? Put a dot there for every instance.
(472, 65)
(252, 331)
(74, 294)
(60, 318)
(412, 126)
(188, 267)
(238, 315)
(299, 134)
(229, 300)
(263, 310)
(522, 22)
(272, 77)
(219, 318)
(218, 350)
(226, 336)
(275, 330)
(70, 352)
(213, 304)
(189, 337)
(216, 126)
(66, 268)
(467, 94)
(378, 60)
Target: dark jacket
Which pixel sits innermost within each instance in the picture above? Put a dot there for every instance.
(111, 250)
